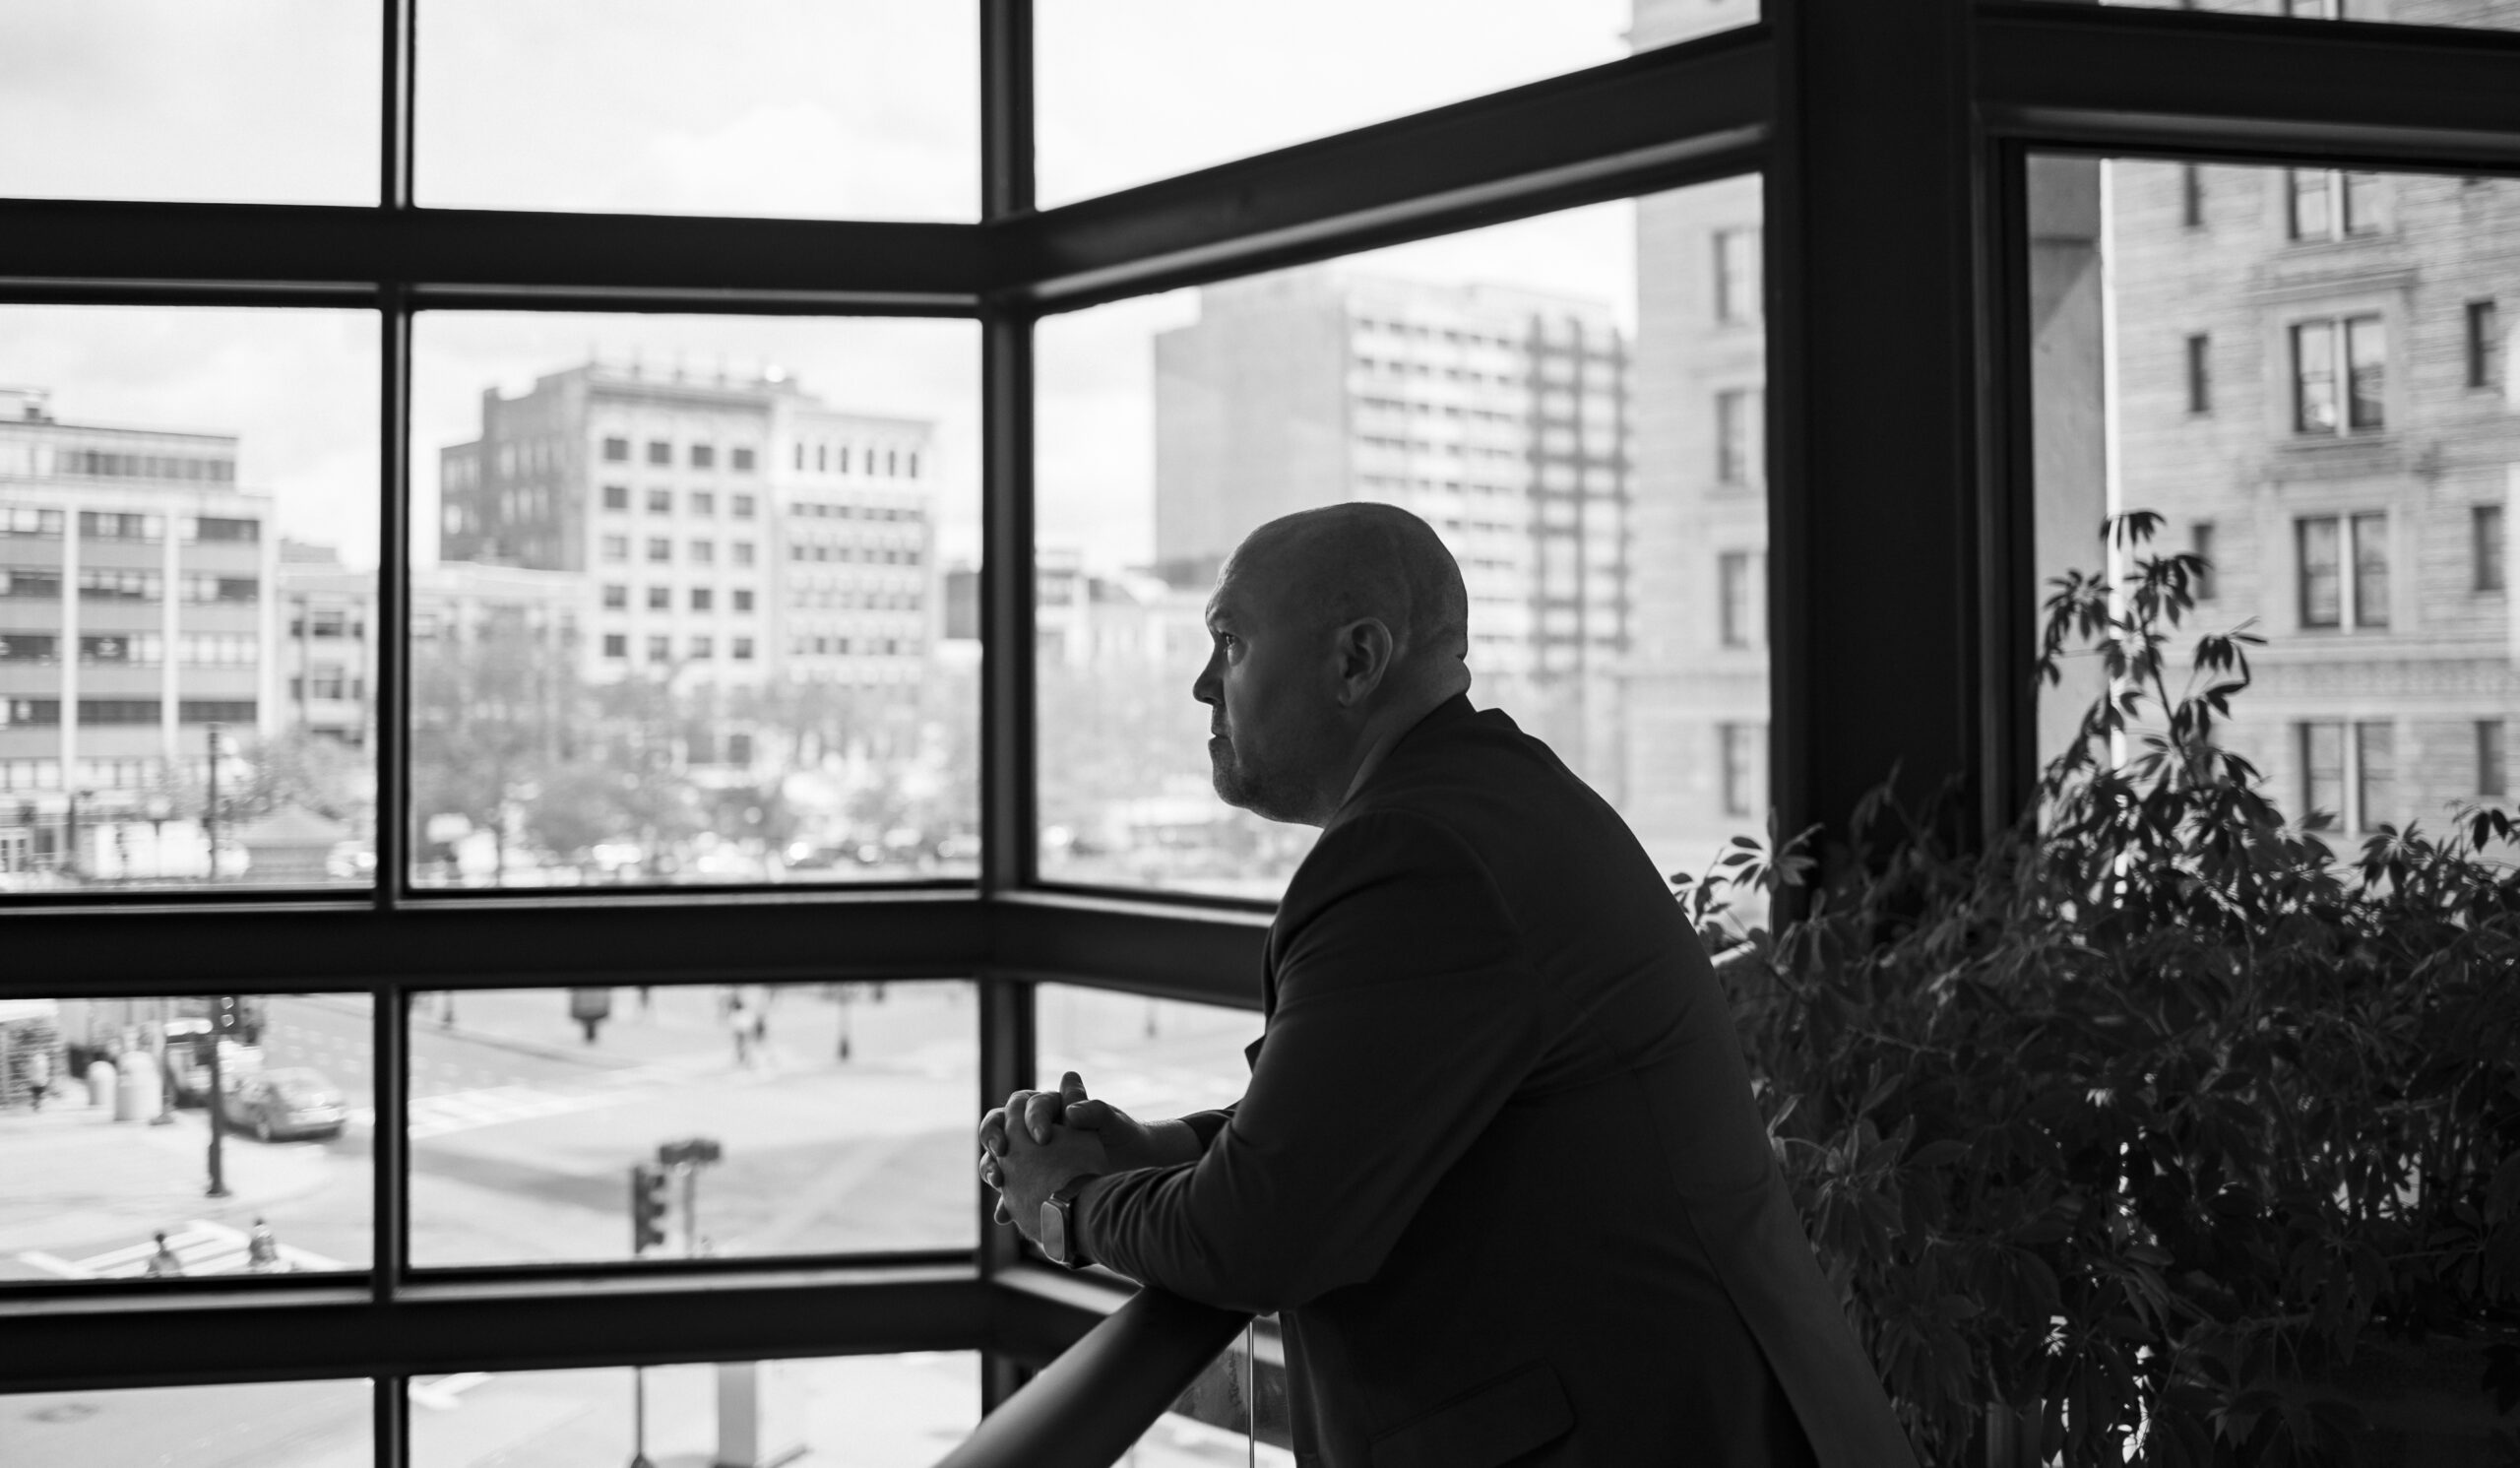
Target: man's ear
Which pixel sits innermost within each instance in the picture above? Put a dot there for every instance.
(1365, 651)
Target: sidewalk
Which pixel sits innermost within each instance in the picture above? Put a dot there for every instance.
(72, 1179)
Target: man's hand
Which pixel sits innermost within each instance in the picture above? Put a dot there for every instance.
(1127, 1142)
(1028, 1172)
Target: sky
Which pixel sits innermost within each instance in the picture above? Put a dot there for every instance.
(865, 109)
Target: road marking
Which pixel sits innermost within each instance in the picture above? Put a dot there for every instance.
(443, 1112)
(199, 1246)
(440, 1395)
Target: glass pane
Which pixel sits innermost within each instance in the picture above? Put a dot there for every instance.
(1212, 1422)
(171, 485)
(764, 108)
(839, 1116)
(111, 1166)
(1224, 84)
(1563, 398)
(676, 617)
(2498, 15)
(254, 101)
(861, 1411)
(1150, 1057)
(268, 1423)
(2349, 540)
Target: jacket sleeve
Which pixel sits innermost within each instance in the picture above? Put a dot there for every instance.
(1407, 1015)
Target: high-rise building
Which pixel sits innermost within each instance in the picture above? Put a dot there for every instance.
(1497, 414)
(736, 530)
(135, 614)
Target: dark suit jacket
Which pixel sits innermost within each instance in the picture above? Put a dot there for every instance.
(1498, 1166)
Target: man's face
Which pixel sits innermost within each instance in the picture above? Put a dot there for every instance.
(1272, 720)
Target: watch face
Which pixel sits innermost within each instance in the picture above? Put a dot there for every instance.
(1054, 1233)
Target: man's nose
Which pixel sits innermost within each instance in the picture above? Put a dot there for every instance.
(1207, 688)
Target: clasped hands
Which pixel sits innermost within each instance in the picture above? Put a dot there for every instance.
(1040, 1140)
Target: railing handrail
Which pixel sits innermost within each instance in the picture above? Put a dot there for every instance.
(1093, 1402)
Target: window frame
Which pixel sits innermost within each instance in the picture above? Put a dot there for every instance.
(1954, 100)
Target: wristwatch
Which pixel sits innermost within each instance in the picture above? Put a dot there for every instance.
(1058, 1225)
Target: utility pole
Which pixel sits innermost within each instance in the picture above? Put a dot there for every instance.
(224, 1016)
(210, 823)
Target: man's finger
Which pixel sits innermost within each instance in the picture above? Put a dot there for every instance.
(1040, 1111)
(1088, 1115)
(1071, 1089)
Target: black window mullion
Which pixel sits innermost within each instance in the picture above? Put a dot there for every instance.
(394, 134)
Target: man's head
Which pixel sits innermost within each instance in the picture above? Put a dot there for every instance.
(1330, 631)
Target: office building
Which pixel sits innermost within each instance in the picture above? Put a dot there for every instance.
(1497, 414)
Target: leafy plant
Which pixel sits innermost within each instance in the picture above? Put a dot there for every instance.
(2144, 1119)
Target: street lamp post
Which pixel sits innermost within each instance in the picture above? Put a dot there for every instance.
(210, 812)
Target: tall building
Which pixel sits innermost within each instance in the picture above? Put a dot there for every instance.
(736, 530)
(1497, 414)
(134, 616)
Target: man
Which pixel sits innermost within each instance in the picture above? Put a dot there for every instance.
(1498, 1166)
(163, 1264)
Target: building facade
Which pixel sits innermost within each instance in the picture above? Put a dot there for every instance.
(135, 620)
(1498, 415)
(734, 532)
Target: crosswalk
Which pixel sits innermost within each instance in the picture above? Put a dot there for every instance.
(201, 1246)
(446, 1113)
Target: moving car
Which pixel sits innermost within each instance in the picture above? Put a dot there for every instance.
(289, 1102)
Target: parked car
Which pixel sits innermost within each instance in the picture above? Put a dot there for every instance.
(290, 1102)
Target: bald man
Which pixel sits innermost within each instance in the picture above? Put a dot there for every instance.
(1498, 1169)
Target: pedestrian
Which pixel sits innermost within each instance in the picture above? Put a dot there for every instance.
(262, 1250)
(39, 1074)
(164, 1265)
(644, 998)
(737, 1026)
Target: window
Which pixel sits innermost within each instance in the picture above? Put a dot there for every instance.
(2191, 196)
(2352, 352)
(616, 645)
(616, 451)
(2484, 345)
(2325, 545)
(701, 598)
(660, 549)
(659, 649)
(743, 600)
(659, 501)
(616, 496)
(1743, 753)
(659, 452)
(2349, 773)
(2375, 772)
(2200, 544)
(743, 649)
(742, 463)
(1737, 271)
(704, 552)
(616, 548)
(28, 647)
(704, 456)
(223, 528)
(2331, 204)
(2487, 542)
(616, 596)
(2493, 756)
(701, 648)
(2322, 756)
(703, 503)
(95, 526)
(660, 598)
(27, 520)
(742, 551)
(2200, 373)
(1739, 436)
(740, 506)
(1739, 599)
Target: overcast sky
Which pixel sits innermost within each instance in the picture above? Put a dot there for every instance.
(817, 107)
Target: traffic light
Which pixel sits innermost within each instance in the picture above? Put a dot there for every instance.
(696, 1152)
(647, 1207)
(227, 1015)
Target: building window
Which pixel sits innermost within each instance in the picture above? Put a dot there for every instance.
(1743, 750)
(743, 648)
(660, 598)
(29, 647)
(1738, 437)
(2322, 754)
(2332, 203)
(2191, 196)
(2375, 772)
(616, 548)
(742, 551)
(741, 506)
(701, 598)
(660, 650)
(743, 600)
(704, 503)
(704, 552)
(2200, 544)
(2348, 352)
(2326, 545)
(2485, 344)
(1737, 275)
(616, 645)
(660, 451)
(222, 528)
(616, 451)
(616, 598)
(2349, 772)
(704, 456)
(659, 549)
(1738, 598)
(93, 526)
(616, 496)
(26, 520)
(910, 465)
(2494, 755)
(742, 461)
(2200, 373)
(659, 501)
(701, 648)
(2486, 545)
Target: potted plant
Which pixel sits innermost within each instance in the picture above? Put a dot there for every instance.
(2151, 1130)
